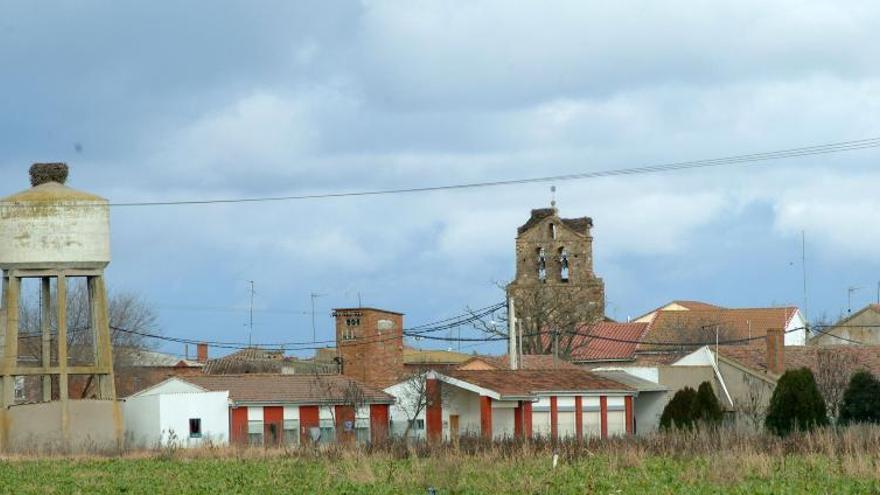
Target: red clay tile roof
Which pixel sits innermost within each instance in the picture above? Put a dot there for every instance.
(607, 341)
(696, 325)
(862, 357)
(521, 383)
(528, 362)
(685, 304)
(288, 389)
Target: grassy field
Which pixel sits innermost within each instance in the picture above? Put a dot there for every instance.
(662, 464)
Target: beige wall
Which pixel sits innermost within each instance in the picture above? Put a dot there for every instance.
(864, 327)
(37, 427)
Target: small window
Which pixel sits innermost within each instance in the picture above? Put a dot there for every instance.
(328, 431)
(553, 231)
(195, 427)
(291, 431)
(255, 432)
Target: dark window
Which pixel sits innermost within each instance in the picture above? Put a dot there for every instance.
(195, 427)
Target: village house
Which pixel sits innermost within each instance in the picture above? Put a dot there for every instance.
(860, 328)
(258, 409)
(499, 404)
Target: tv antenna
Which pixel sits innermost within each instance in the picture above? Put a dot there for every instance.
(314, 296)
(849, 292)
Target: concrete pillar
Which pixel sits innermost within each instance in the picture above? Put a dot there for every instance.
(603, 413)
(101, 329)
(12, 292)
(518, 421)
(63, 386)
(45, 317)
(554, 419)
(579, 417)
(527, 419)
(486, 417)
(379, 422)
(434, 409)
(630, 424)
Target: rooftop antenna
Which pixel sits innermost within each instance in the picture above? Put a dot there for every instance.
(314, 296)
(251, 324)
(849, 293)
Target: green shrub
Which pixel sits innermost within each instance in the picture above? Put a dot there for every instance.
(677, 412)
(706, 408)
(796, 404)
(689, 407)
(861, 400)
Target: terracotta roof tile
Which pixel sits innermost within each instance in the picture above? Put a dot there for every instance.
(287, 389)
(522, 383)
(696, 325)
(607, 341)
(863, 357)
(528, 362)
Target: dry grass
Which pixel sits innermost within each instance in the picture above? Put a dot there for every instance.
(684, 462)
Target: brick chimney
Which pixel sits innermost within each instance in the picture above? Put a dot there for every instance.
(775, 351)
(202, 353)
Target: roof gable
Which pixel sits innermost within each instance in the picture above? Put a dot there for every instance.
(173, 385)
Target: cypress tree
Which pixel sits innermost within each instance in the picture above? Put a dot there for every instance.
(706, 408)
(861, 400)
(677, 413)
(796, 404)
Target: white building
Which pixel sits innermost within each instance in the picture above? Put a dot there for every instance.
(176, 412)
(498, 404)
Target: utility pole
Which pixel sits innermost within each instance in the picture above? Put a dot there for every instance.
(251, 325)
(314, 296)
(511, 335)
(804, 269)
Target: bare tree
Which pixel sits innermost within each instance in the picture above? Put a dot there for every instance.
(685, 331)
(753, 404)
(551, 319)
(131, 318)
(833, 371)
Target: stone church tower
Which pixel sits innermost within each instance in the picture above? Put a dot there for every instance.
(555, 255)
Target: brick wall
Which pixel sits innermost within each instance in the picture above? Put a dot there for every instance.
(370, 344)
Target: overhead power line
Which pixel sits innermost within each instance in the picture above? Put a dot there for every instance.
(745, 159)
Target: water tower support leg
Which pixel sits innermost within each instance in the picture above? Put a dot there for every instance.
(45, 317)
(63, 388)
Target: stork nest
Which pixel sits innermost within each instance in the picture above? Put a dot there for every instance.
(42, 173)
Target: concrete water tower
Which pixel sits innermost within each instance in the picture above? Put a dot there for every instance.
(59, 236)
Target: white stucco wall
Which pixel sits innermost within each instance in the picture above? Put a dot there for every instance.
(158, 419)
(796, 337)
(211, 407)
(141, 416)
(466, 405)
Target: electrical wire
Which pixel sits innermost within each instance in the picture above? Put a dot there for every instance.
(751, 158)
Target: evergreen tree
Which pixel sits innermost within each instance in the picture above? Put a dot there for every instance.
(677, 413)
(861, 400)
(796, 404)
(706, 408)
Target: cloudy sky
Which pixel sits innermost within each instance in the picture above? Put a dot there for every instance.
(198, 100)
